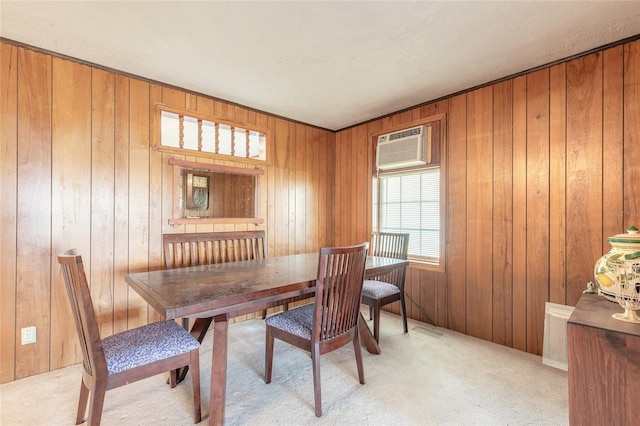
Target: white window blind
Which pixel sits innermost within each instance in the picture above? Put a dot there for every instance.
(410, 202)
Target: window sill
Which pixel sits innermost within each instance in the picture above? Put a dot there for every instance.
(426, 266)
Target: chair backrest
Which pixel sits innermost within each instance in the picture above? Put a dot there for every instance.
(83, 312)
(338, 290)
(192, 249)
(395, 245)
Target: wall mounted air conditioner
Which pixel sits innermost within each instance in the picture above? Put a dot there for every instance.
(405, 148)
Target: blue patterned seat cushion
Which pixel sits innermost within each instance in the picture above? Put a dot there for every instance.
(298, 321)
(146, 344)
(378, 289)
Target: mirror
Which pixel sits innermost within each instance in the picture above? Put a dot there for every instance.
(214, 193)
(211, 194)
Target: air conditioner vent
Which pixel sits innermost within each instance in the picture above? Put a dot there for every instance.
(405, 148)
(416, 131)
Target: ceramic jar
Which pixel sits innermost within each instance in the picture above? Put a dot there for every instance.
(620, 265)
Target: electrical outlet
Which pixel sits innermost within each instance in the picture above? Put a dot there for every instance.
(28, 335)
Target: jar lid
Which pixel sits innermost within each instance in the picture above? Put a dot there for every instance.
(631, 237)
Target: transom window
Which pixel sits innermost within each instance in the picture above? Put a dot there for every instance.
(181, 131)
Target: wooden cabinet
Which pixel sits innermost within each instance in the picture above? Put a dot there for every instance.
(603, 365)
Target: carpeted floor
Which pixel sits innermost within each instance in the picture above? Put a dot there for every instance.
(430, 376)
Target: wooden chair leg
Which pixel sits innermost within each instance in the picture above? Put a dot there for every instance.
(268, 356)
(195, 385)
(370, 312)
(174, 375)
(376, 323)
(82, 403)
(173, 378)
(96, 402)
(403, 312)
(317, 393)
(358, 352)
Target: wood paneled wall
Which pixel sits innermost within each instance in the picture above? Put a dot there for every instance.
(78, 171)
(541, 169)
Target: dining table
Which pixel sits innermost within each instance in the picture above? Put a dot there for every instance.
(227, 290)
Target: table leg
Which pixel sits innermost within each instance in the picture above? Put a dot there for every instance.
(366, 336)
(218, 370)
(198, 330)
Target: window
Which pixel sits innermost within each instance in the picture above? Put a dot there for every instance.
(410, 202)
(189, 131)
(410, 199)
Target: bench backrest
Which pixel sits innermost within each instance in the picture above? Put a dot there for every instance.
(192, 249)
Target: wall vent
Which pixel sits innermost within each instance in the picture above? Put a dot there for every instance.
(405, 148)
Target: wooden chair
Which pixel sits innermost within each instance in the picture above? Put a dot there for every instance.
(388, 288)
(331, 321)
(123, 357)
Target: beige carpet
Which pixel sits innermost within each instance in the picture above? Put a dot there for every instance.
(429, 376)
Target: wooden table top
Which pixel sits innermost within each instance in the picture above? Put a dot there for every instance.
(229, 288)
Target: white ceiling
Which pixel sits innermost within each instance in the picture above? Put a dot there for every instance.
(332, 64)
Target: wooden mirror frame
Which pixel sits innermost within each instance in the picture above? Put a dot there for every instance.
(178, 170)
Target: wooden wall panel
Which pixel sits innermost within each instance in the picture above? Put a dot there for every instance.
(102, 195)
(479, 178)
(328, 200)
(557, 179)
(502, 262)
(360, 164)
(422, 289)
(157, 170)
(339, 210)
(537, 206)
(346, 191)
(631, 132)
(139, 189)
(33, 212)
(270, 221)
(160, 191)
(519, 231)
(312, 200)
(457, 215)
(612, 148)
(8, 201)
(281, 197)
(584, 171)
(351, 168)
(439, 279)
(299, 191)
(71, 197)
(121, 206)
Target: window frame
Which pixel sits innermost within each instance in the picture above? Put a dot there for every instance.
(438, 147)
